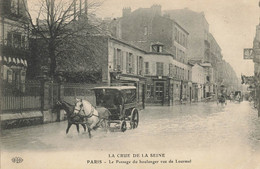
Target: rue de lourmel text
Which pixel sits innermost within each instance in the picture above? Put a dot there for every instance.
(138, 158)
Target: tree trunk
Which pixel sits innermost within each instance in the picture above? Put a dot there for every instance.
(52, 59)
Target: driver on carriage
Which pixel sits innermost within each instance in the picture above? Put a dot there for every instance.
(222, 98)
(118, 102)
(238, 97)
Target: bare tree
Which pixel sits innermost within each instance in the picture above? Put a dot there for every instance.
(60, 20)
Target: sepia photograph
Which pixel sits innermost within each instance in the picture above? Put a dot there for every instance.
(91, 84)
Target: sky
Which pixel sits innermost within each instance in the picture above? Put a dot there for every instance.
(232, 22)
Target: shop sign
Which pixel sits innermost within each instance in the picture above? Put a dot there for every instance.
(248, 53)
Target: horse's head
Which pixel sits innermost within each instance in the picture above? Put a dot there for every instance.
(78, 106)
(58, 103)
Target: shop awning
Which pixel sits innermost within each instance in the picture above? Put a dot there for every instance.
(5, 60)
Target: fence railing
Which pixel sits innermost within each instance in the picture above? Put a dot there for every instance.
(17, 99)
(18, 103)
(37, 96)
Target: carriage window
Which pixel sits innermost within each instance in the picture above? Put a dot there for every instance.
(130, 96)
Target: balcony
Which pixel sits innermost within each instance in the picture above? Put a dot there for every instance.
(14, 52)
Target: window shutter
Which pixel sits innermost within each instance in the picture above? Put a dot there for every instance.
(122, 61)
(153, 68)
(114, 60)
(126, 61)
(133, 64)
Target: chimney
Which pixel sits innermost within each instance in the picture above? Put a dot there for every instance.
(156, 9)
(86, 7)
(126, 11)
(74, 3)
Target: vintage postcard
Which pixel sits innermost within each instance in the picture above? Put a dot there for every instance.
(92, 84)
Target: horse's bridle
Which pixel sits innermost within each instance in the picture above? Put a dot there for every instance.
(80, 108)
(91, 112)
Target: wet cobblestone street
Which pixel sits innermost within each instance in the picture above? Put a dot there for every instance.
(198, 131)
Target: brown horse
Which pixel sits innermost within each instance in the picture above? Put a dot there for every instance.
(94, 118)
(72, 118)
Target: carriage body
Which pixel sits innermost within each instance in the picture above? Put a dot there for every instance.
(238, 96)
(222, 94)
(121, 102)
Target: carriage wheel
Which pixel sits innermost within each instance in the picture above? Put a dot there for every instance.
(134, 119)
(123, 126)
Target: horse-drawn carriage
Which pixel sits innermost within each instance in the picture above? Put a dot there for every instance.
(222, 99)
(222, 95)
(115, 104)
(121, 102)
(238, 96)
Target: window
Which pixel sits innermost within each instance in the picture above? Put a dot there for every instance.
(130, 96)
(126, 61)
(114, 60)
(140, 65)
(207, 78)
(9, 76)
(9, 39)
(159, 90)
(130, 63)
(174, 52)
(149, 91)
(159, 69)
(177, 71)
(119, 60)
(178, 37)
(170, 70)
(15, 39)
(146, 64)
(2, 72)
(183, 39)
(175, 34)
(160, 49)
(186, 40)
(23, 42)
(177, 54)
(145, 30)
(15, 6)
(157, 48)
(182, 73)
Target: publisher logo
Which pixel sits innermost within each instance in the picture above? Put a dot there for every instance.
(17, 160)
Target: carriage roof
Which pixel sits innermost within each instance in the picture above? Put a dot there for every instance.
(116, 87)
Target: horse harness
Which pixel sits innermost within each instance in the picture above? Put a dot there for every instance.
(91, 112)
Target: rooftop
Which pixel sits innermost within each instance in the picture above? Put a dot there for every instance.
(116, 87)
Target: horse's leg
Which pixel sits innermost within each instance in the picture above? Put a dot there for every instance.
(89, 132)
(69, 125)
(77, 128)
(107, 125)
(84, 126)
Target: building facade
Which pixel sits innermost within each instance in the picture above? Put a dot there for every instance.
(198, 81)
(209, 88)
(166, 43)
(204, 48)
(14, 43)
(256, 60)
(121, 64)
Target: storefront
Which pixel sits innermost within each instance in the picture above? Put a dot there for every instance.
(13, 72)
(118, 79)
(160, 90)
